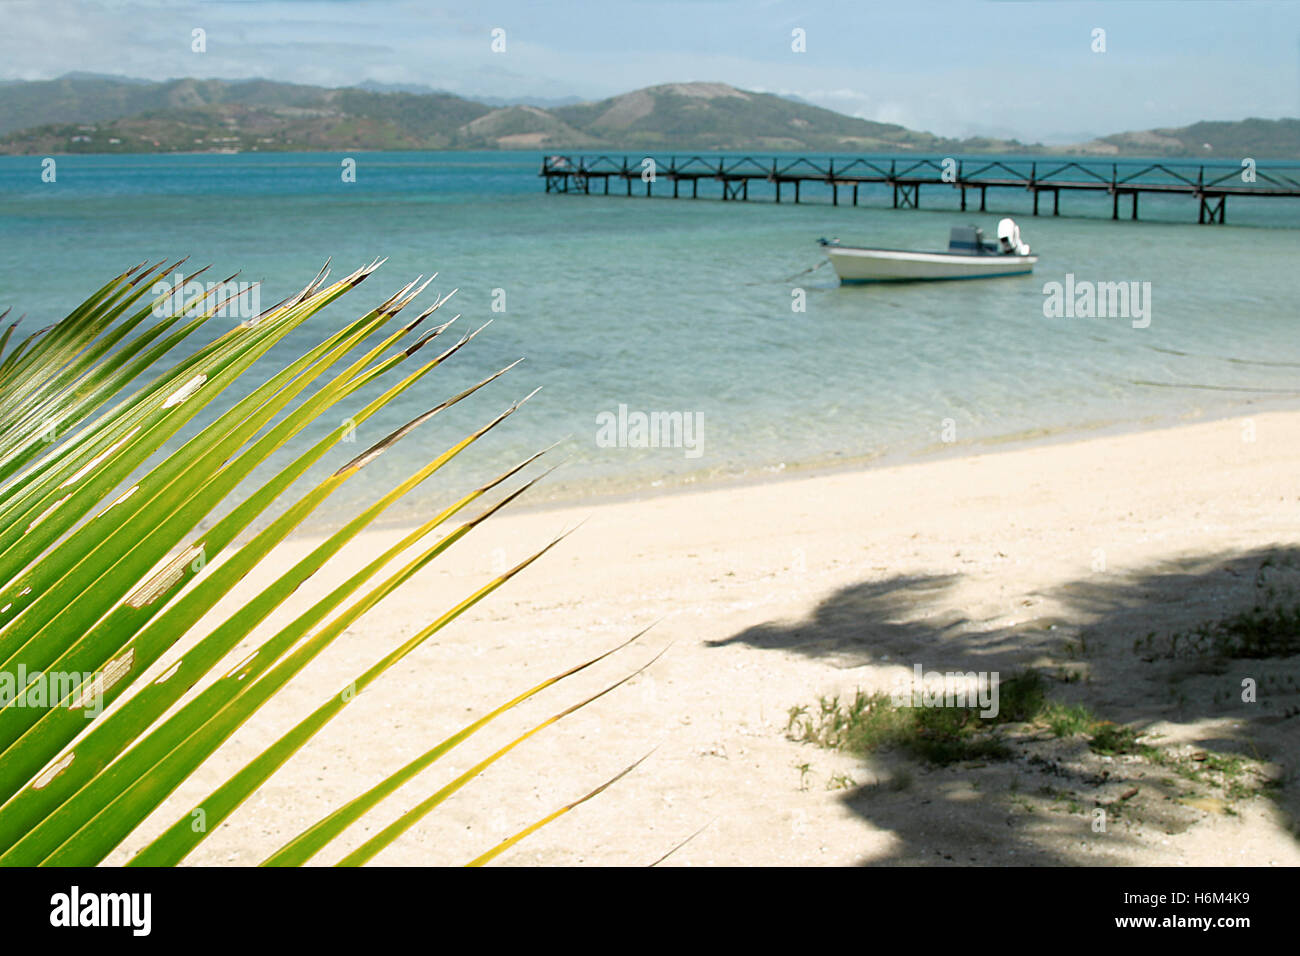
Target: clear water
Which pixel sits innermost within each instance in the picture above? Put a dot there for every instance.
(687, 307)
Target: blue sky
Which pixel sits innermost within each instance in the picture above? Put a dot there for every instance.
(955, 67)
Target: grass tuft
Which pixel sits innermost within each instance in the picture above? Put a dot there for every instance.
(941, 735)
(1270, 628)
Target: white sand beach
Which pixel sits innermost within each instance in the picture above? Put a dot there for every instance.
(768, 596)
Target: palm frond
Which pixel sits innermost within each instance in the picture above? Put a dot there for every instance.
(100, 581)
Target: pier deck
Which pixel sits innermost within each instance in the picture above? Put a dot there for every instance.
(1209, 183)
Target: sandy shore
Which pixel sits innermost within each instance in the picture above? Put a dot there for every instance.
(769, 596)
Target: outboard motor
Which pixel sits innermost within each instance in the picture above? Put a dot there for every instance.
(1009, 238)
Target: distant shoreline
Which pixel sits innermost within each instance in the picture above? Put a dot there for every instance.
(1190, 159)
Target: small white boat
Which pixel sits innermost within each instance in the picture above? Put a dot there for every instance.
(968, 257)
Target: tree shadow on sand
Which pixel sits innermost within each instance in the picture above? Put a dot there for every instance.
(1117, 644)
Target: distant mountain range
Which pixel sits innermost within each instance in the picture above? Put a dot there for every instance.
(1257, 138)
(84, 113)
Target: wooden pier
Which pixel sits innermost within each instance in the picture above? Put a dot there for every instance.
(1210, 184)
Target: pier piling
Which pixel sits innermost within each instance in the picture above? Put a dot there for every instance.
(1210, 185)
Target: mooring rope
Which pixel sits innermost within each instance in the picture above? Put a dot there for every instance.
(824, 262)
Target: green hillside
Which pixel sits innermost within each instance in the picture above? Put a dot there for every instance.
(95, 114)
(1256, 138)
(717, 116)
(90, 114)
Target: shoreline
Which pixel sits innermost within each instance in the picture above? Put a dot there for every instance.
(918, 455)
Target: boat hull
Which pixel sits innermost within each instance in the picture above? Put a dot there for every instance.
(855, 265)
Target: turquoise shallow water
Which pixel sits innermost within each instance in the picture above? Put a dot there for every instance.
(687, 307)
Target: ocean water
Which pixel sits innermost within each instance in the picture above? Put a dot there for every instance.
(687, 307)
